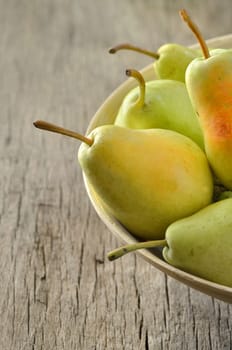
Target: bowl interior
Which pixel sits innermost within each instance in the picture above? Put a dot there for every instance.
(106, 115)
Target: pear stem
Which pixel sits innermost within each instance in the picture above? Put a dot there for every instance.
(117, 253)
(142, 86)
(184, 15)
(40, 124)
(134, 48)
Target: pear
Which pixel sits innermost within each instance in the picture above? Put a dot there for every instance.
(171, 60)
(146, 178)
(161, 104)
(143, 185)
(209, 84)
(200, 244)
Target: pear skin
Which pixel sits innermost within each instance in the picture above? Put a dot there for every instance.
(173, 61)
(166, 105)
(202, 243)
(209, 83)
(146, 178)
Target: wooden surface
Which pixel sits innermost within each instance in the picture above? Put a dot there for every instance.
(58, 291)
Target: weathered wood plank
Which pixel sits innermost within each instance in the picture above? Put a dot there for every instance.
(57, 289)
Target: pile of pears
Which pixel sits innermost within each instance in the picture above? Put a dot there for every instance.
(164, 167)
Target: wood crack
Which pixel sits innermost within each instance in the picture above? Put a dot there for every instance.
(166, 291)
(136, 286)
(146, 340)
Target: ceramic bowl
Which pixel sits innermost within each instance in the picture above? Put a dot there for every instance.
(106, 115)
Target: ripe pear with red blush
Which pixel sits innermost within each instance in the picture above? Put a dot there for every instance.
(209, 83)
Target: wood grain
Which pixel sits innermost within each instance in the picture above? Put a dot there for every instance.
(57, 289)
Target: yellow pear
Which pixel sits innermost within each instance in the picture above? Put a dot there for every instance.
(146, 178)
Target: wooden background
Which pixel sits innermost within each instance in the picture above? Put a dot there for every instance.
(57, 290)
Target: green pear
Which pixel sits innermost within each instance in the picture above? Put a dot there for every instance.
(171, 60)
(146, 178)
(161, 104)
(209, 84)
(200, 244)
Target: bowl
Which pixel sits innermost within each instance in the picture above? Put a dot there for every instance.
(106, 115)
